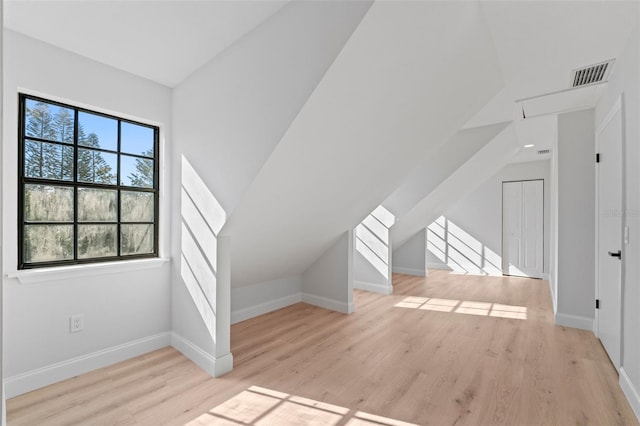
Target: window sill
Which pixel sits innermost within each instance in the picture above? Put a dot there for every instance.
(33, 276)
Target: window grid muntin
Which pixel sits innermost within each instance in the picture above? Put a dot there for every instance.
(76, 184)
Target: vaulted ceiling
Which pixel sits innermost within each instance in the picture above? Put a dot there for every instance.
(538, 42)
(410, 76)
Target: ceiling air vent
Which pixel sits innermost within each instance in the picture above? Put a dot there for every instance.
(544, 151)
(591, 74)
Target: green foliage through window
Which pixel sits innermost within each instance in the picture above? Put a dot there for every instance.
(88, 186)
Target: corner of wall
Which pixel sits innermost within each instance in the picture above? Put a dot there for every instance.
(411, 257)
(259, 299)
(574, 321)
(215, 367)
(328, 283)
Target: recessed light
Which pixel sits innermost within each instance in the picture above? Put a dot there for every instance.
(529, 145)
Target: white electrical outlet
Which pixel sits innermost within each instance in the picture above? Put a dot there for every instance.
(77, 323)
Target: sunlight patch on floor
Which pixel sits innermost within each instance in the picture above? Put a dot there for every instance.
(266, 407)
(496, 310)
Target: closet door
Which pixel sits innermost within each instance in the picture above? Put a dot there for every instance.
(523, 228)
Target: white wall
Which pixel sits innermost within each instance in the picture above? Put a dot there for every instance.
(576, 219)
(438, 165)
(328, 283)
(375, 114)
(411, 257)
(2, 396)
(257, 299)
(372, 255)
(553, 222)
(478, 216)
(462, 181)
(625, 80)
(119, 307)
(228, 116)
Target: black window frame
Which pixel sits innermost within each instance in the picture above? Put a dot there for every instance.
(75, 184)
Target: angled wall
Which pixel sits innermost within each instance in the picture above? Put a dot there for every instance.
(228, 116)
(438, 165)
(477, 169)
(379, 109)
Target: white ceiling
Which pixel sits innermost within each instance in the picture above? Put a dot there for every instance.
(539, 43)
(384, 80)
(164, 41)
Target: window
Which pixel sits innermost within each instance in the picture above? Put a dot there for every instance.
(88, 186)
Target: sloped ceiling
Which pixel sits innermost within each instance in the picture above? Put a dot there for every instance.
(394, 92)
(438, 165)
(163, 41)
(465, 179)
(412, 75)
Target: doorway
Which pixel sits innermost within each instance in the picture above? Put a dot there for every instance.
(609, 224)
(523, 228)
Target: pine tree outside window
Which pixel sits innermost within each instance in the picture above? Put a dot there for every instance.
(88, 186)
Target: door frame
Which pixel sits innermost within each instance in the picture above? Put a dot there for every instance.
(618, 106)
(544, 224)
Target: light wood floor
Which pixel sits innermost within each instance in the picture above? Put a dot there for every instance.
(456, 351)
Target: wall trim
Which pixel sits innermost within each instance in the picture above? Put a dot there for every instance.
(40, 377)
(374, 287)
(265, 307)
(630, 392)
(326, 303)
(438, 265)
(574, 321)
(224, 364)
(215, 367)
(409, 271)
(195, 353)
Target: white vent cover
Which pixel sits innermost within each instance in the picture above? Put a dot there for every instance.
(591, 74)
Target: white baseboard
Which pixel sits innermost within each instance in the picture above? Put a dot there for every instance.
(59, 371)
(224, 364)
(438, 265)
(264, 308)
(374, 287)
(545, 276)
(574, 321)
(409, 271)
(215, 367)
(630, 392)
(323, 302)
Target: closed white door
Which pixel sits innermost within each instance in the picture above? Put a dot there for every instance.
(609, 235)
(523, 228)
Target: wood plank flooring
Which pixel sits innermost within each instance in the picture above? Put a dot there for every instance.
(442, 350)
